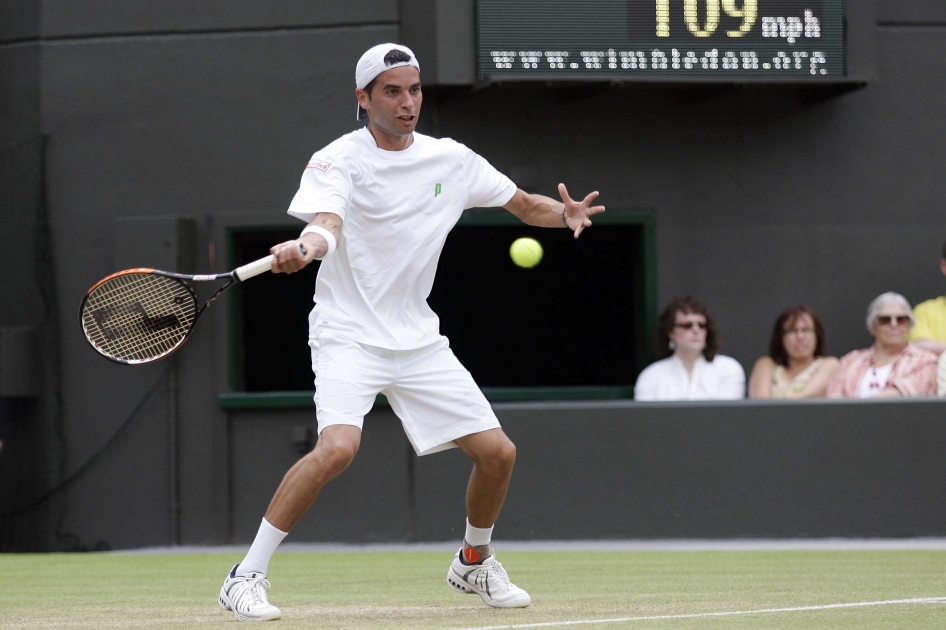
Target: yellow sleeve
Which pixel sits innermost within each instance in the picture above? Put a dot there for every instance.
(923, 328)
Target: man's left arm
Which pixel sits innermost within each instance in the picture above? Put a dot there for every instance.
(542, 211)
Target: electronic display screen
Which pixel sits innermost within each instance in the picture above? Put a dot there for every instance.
(628, 40)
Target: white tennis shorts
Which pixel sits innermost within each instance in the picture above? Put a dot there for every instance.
(428, 388)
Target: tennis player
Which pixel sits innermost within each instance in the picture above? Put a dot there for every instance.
(379, 203)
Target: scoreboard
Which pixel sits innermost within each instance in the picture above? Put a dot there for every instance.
(639, 40)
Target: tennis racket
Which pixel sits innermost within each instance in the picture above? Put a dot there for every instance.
(138, 316)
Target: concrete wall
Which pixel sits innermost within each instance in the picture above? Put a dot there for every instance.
(208, 110)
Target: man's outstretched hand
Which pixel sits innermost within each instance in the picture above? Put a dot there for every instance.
(577, 213)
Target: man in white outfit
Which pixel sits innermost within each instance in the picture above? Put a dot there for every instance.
(379, 203)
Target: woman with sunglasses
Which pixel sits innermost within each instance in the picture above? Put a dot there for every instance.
(892, 367)
(689, 367)
(796, 366)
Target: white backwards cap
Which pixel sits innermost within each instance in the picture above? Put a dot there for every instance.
(372, 64)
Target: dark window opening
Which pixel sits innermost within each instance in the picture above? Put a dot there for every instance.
(272, 319)
(569, 321)
(576, 319)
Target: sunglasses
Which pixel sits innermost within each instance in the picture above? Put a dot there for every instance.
(884, 320)
(689, 325)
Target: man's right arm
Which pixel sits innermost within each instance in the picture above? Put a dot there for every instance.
(322, 199)
(288, 258)
(318, 244)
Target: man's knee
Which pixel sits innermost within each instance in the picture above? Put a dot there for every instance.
(335, 450)
(499, 460)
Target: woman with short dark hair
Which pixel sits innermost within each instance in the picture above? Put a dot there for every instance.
(690, 367)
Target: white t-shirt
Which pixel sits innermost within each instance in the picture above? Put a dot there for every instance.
(874, 381)
(397, 207)
(667, 379)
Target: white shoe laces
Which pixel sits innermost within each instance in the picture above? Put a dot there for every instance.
(501, 572)
(257, 588)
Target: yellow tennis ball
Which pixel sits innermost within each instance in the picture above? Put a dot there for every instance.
(526, 252)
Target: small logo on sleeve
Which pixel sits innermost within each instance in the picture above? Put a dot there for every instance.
(437, 189)
(319, 164)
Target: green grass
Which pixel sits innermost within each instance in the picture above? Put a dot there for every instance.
(407, 590)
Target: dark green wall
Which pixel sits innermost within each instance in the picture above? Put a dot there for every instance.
(633, 470)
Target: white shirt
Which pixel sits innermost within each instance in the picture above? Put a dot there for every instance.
(397, 208)
(874, 381)
(667, 379)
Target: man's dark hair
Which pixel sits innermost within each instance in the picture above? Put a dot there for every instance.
(686, 305)
(394, 56)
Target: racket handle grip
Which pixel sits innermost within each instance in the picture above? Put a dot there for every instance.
(254, 268)
(262, 265)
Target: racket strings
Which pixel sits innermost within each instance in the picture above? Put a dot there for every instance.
(143, 322)
(122, 321)
(138, 317)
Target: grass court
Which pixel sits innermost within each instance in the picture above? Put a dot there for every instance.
(570, 589)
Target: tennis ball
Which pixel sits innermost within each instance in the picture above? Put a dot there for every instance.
(526, 252)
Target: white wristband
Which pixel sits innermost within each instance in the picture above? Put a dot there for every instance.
(328, 236)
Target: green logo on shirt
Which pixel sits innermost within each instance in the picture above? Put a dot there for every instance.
(437, 190)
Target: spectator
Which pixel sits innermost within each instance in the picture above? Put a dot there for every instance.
(689, 368)
(941, 375)
(892, 367)
(796, 366)
(929, 332)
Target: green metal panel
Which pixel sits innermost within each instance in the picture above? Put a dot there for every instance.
(302, 400)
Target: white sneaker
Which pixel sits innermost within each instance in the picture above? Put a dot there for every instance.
(488, 580)
(246, 597)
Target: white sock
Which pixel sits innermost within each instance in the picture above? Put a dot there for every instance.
(477, 536)
(262, 549)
